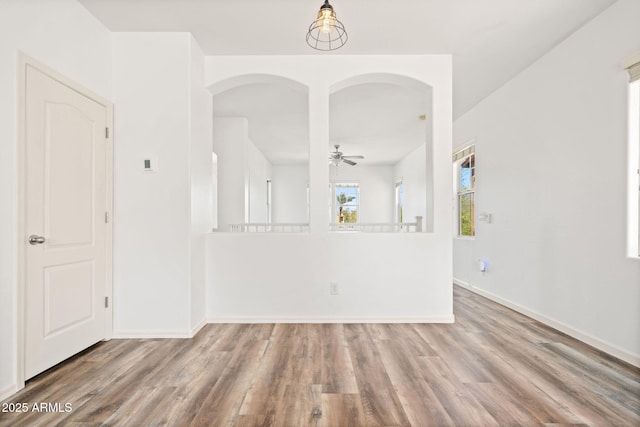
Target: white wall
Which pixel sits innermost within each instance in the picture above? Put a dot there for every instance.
(230, 143)
(289, 193)
(64, 36)
(384, 277)
(259, 172)
(160, 217)
(377, 190)
(551, 167)
(201, 169)
(278, 277)
(413, 174)
(242, 176)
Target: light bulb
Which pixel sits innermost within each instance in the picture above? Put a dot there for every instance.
(326, 20)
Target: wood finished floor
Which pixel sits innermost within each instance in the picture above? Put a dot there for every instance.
(493, 367)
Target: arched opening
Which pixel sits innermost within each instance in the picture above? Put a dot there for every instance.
(261, 138)
(383, 178)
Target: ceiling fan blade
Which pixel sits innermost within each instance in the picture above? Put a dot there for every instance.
(353, 157)
(349, 162)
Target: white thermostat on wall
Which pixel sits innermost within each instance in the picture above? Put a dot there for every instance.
(149, 164)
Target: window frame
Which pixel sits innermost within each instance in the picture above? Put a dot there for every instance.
(399, 196)
(632, 65)
(269, 195)
(459, 158)
(334, 205)
(633, 208)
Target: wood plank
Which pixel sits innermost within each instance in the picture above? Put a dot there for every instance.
(147, 404)
(337, 374)
(461, 406)
(420, 403)
(341, 410)
(381, 404)
(492, 367)
(222, 404)
(283, 389)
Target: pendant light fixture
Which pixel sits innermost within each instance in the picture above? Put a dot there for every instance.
(326, 32)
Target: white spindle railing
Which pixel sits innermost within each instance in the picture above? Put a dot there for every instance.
(376, 227)
(380, 227)
(365, 227)
(254, 227)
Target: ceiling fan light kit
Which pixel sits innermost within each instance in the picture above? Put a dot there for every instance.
(336, 157)
(326, 32)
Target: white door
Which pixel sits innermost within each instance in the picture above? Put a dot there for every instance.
(65, 201)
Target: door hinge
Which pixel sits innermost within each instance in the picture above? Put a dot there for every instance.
(106, 302)
(106, 217)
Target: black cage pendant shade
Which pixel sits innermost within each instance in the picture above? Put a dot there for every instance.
(326, 32)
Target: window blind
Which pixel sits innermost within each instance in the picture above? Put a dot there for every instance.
(634, 72)
(632, 65)
(464, 153)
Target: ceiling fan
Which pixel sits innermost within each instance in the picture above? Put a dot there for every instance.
(336, 157)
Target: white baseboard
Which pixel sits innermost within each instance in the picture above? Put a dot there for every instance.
(197, 328)
(258, 320)
(562, 327)
(463, 284)
(8, 391)
(159, 333)
(151, 333)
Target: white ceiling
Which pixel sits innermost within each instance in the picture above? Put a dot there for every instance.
(277, 116)
(380, 121)
(490, 41)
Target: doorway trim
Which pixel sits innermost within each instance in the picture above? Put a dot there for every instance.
(23, 62)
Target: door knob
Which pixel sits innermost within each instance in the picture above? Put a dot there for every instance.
(36, 240)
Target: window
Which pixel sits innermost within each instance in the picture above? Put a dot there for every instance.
(347, 203)
(308, 202)
(269, 201)
(465, 166)
(399, 201)
(633, 183)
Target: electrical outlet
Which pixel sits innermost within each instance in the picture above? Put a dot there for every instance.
(333, 288)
